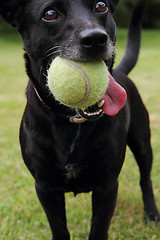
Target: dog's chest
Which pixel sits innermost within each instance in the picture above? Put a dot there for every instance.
(73, 153)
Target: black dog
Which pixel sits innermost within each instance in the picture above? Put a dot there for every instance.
(87, 153)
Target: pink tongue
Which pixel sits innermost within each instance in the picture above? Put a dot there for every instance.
(115, 98)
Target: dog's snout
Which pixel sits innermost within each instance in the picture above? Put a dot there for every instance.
(93, 38)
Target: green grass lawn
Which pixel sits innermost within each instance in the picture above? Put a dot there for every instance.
(21, 216)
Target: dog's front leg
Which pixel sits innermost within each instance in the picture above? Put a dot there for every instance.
(53, 203)
(103, 205)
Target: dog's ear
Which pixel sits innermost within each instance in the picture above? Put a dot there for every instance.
(113, 4)
(12, 11)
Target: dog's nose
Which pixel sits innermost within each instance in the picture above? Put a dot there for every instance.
(93, 38)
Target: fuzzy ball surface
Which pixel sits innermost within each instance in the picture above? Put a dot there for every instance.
(77, 84)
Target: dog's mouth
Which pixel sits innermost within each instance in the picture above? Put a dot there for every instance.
(91, 113)
(110, 104)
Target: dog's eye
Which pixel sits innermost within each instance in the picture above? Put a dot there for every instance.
(101, 7)
(50, 15)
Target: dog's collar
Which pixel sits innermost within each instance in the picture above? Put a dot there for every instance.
(77, 119)
(74, 119)
(40, 99)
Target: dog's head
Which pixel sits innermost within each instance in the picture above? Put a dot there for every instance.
(74, 29)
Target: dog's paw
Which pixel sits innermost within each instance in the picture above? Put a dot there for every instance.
(152, 216)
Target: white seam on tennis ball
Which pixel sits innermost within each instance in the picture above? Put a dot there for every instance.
(88, 86)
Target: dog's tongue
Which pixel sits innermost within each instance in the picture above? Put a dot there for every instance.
(115, 98)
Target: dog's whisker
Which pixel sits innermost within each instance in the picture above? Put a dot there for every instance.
(50, 54)
(44, 75)
(50, 49)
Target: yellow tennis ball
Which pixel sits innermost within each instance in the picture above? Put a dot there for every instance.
(77, 84)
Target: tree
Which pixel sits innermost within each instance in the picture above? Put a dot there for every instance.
(151, 15)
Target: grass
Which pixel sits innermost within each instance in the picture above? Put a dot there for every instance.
(20, 212)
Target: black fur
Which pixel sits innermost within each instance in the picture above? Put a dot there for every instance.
(64, 156)
(134, 39)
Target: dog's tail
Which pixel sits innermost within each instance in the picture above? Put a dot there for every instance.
(134, 39)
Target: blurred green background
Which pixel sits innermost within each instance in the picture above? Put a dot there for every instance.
(151, 15)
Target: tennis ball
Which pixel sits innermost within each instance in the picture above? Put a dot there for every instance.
(77, 84)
